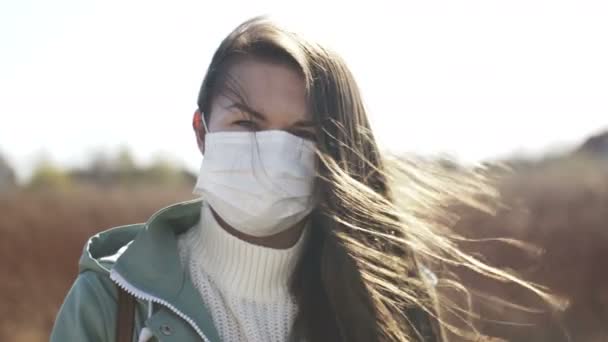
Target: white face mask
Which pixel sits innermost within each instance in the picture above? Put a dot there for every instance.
(259, 183)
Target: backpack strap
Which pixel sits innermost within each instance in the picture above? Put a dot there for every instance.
(125, 316)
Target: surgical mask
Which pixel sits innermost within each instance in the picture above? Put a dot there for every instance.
(260, 183)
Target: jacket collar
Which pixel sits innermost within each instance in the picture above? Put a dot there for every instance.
(152, 261)
(152, 265)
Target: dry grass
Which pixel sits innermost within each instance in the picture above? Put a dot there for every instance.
(561, 207)
(41, 239)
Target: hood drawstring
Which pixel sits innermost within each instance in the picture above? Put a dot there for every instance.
(145, 334)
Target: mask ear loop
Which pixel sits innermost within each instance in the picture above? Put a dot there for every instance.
(198, 120)
(204, 123)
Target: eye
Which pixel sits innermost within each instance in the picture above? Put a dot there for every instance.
(304, 134)
(247, 124)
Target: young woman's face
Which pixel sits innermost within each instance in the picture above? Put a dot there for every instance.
(271, 96)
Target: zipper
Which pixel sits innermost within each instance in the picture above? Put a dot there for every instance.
(139, 294)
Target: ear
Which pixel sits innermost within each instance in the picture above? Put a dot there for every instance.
(199, 131)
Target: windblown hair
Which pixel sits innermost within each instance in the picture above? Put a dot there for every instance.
(360, 276)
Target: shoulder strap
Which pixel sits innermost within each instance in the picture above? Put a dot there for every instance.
(125, 316)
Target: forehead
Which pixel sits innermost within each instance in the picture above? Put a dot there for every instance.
(277, 90)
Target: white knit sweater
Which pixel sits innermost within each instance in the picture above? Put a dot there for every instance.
(245, 286)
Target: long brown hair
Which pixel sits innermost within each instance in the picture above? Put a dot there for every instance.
(359, 278)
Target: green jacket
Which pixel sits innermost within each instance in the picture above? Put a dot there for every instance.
(143, 259)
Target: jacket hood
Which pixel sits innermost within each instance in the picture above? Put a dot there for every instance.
(103, 250)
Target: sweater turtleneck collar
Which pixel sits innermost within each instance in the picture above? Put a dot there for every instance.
(240, 268)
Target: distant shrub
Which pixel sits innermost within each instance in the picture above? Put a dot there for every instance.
(47, 176)
(7, 176)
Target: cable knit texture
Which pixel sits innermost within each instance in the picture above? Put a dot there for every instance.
(245, 286)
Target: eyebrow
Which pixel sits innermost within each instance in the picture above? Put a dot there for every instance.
(245, 108)
(258, 115)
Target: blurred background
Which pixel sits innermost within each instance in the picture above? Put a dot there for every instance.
(96, 101)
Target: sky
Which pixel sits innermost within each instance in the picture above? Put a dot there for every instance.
(474, 79)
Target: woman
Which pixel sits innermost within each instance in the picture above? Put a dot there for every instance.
(296, 237)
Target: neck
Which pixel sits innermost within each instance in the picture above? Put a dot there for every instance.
(283, 240)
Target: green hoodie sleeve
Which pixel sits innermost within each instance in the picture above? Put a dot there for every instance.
(88, 311)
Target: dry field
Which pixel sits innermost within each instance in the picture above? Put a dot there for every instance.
(41, 239)
(560, 207)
